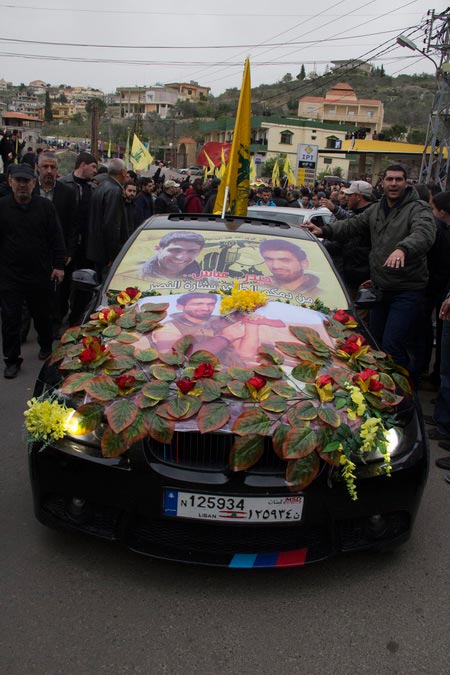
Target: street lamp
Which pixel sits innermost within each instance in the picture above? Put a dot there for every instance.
(405, 41)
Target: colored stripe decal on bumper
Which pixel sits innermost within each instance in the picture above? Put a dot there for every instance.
(282, 559)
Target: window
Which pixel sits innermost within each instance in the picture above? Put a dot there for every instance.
(327, 160)
(310, 110)
(370, 113)
(331, 111)
(286, 137)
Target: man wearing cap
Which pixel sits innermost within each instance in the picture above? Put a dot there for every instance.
(402, 230)
(166, 201)
(32, 260)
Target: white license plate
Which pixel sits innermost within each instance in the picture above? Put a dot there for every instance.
(223, 508)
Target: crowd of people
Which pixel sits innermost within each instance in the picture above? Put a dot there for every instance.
(394, 238)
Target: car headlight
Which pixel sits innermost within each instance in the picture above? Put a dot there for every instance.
(399, 439)
(92, 438)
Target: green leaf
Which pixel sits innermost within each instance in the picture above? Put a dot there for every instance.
(241, 374)
(58, 353)
(387, 381)
(74, 364)
(183, 344)
(330, 417)
(127, 320)
(253, 421)
(272, 354)
(171, 359)
(154, 317)
(301, 472)
(156, 389)
(333, 446)
(274, 404)
(210, 390)
(74, 350)
(145, 402)
(194, 406)
(154, 307)
(159, 429)
(146, 326)
(146, 355)
(127, 338)
(283, 389)
(301, 412)
(306, 372)
(121, 414)
(238, 389)
(87, 418)
(111, 331)
(116, 349)
(213, 416)
(71, 335)
(334, 328)
(164, 373)
(303, 334)
(175, 408)
(341, 375)
(307, 355)
(402, 382)
(332, 458)
(279, 437)
(246, 452)
(288, 348)
(340, 402)
(120, 363)
(299, 443)
(136, 431)
(113, 444)
(102, 388)
(272, 372)
(202, 356)
(75, 382)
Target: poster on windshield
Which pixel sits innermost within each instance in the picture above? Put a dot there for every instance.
(306, 164)
(290, 270)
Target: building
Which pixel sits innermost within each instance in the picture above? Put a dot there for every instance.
(37, 87)
(191, 91)
(146, 100)
(340, 105)
(355, 65)
(274, 136)
(29, 127)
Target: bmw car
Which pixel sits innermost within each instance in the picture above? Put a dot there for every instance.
(223, 404)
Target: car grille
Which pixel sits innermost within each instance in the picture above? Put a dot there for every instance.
(101, 521)
(209, 452)
(215, 539)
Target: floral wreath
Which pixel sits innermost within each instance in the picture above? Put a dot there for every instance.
(335, 405)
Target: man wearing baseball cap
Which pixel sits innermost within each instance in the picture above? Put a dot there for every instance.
(166, 201)
(32, 260)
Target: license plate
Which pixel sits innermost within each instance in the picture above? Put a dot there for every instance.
(224, 508)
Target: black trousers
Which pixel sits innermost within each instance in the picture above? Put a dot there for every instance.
(39, 301)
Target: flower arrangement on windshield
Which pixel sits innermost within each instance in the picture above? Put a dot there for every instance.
(331, 409)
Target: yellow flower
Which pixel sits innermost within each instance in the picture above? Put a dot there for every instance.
(357, 398)
(47, 420)
(241, 300)
(347, 473)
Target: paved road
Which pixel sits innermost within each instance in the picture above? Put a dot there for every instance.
(75, 605)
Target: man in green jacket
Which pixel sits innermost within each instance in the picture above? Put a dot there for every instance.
(402, 230)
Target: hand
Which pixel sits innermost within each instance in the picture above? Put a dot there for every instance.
(396, 259)
(444, 312)
(57, 275)
(68, 260)
(328, 204)
(308, 225)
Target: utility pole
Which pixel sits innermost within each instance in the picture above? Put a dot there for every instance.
(94, 129)
(435, 164)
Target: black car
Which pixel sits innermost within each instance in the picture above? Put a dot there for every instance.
(221, 405)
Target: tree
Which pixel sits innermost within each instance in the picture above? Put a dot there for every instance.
(416, 136)
(101, 106)
(62, 98)
(48, 112)
(302, 73)
(287, 78)
(395, 133)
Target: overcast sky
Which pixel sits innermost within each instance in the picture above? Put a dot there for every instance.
(179, 42)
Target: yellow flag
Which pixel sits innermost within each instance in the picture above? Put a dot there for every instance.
(212, 167)
(232, 195)
(287, 169)
(276, 174)
(109, 149)
(140, 157)
(252, 170)
(223, 165)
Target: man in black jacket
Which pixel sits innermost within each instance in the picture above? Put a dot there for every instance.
(108, 219)
(32, 261)
(166, 201)
(144, 200)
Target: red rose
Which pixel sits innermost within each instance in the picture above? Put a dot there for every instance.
(342, 316)
(87, 355)
(125, 381)
(323, 380)
(185, 385)
(90, 340)
(375, 385)
(353, 344)
(368, 380)
(257, 382)
(204, 370)
(366, 374)
(132, 292)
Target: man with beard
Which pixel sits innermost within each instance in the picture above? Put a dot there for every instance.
(287, 263)
(129, 195)
(32, 259)
(175, 256)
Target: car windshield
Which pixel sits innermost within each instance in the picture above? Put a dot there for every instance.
(292, 269)
(293, 218)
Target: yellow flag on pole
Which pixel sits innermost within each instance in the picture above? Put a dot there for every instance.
(108, 154)
(276, 174)
(287, 169)
(232, 195)
(212, 167)
(223, 165)
(140, 157)
(252, 170)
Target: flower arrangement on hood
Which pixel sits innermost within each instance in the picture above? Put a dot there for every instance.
(329, 411)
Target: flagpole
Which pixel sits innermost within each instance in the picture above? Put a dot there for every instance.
(225, 200)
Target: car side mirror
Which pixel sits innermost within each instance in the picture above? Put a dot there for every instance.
(85, 280)
(366, 298)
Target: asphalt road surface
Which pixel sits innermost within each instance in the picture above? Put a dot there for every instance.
(71, 604)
